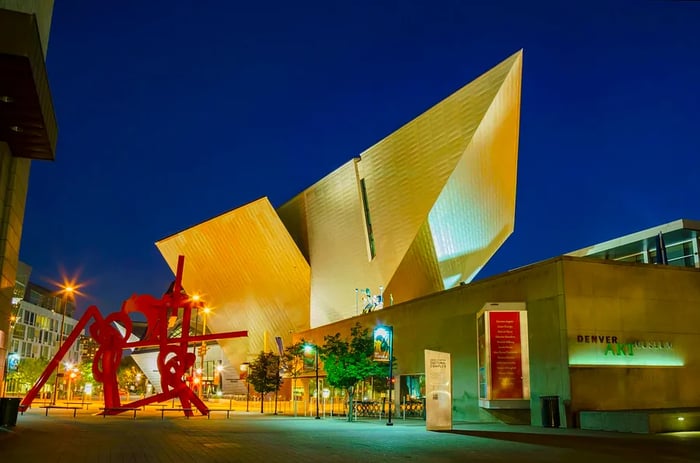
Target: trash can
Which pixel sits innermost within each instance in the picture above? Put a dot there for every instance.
(9, 408)
(550, 411)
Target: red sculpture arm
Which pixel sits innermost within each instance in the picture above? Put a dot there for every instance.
(173, 360)
(91, 313)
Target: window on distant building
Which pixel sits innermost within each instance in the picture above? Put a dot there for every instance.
(29, 318)
(18, 331)
(637, 258)
(680, 254)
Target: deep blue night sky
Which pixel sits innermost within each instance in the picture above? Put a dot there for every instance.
(171, 113)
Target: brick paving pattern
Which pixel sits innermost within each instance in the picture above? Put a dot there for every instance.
(252, 437)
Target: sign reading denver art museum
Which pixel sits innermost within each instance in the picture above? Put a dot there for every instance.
(624, 349)
(503, 356)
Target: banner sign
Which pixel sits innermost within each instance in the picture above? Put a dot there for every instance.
(13, 362)
(309, 359)
(280, 345)
(382, 343)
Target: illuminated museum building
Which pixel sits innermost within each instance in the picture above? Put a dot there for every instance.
(412, 220)
(28, 131)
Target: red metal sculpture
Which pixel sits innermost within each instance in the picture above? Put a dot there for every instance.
(174, 359)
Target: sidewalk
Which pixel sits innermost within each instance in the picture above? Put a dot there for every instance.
(253, 437)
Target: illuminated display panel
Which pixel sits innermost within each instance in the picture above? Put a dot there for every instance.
(503, 356)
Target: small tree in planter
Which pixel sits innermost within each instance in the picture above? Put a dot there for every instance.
(349, 361)
(264, 376)
(293, 365)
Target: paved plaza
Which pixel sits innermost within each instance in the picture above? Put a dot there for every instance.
(253, 437)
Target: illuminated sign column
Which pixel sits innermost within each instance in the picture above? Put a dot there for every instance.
(438, 393)
(504, 365)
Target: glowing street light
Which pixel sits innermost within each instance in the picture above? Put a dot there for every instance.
(67, 291)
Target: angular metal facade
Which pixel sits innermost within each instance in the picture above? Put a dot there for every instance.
(248, 269)
(440, 193)
(420, 211)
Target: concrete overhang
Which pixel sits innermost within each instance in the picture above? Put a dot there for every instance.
(27, 118)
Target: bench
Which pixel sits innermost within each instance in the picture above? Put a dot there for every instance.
(118, 409)
(227, 410)
(24, 408)
(67, 407)
(185, 410)
(82, 404)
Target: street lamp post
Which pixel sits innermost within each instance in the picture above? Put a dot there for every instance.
(219, 374)
(195, 298)
(391, 373)
(66, 291)
(384, 336)
(203, 351)
(71, 372)
(277, 384)
(315, 348)
(245, 367)
(247, 395)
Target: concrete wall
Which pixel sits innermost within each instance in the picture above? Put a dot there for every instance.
(565, 298)
(14, 181)
(446, 322)
(43, 9)
(634, 303)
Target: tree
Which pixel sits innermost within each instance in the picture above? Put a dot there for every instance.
(264, 375)
(86, 375)
(28, 371)
(127, 375)
(349, 361)
(293, 366)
